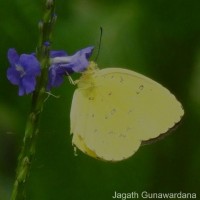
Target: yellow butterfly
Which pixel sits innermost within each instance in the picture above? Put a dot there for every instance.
(114, 110)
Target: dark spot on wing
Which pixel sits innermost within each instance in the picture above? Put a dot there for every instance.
(95, 130)
(91, 98)
(129, 111)
(112, 112)
(111, 132)
(121, 79)
(128, 129)
(140, 88)
(122, 135)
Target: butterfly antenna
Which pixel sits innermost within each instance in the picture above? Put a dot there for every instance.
(99, 46)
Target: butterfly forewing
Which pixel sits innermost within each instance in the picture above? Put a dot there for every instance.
(118, 110)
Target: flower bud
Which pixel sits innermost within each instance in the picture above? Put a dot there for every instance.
(40, 25)
(49, 3)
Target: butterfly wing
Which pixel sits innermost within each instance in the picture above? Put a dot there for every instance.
(118, 110)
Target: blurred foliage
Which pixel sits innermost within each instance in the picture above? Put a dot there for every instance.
(160, 39)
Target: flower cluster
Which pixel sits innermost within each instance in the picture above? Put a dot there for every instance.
(62, 64)
(25, 68)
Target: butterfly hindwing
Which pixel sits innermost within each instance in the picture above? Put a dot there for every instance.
(118, 110)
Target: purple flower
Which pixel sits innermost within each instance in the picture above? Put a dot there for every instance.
(62, 64)
(23, 71)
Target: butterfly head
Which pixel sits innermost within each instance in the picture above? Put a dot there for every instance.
(87, 78)
(92, 67)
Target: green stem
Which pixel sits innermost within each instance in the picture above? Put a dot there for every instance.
(32, 127)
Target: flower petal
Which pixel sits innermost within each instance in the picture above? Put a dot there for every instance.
(21, 91)
(80, 59)
(87, 51)
(29, 83)
(13, 56)
(56, 74)
(30, 64)
(57, 54)
(13, 75)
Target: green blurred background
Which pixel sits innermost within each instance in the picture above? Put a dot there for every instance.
(158, 38)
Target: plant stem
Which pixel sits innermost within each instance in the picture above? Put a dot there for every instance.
(32, 127)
